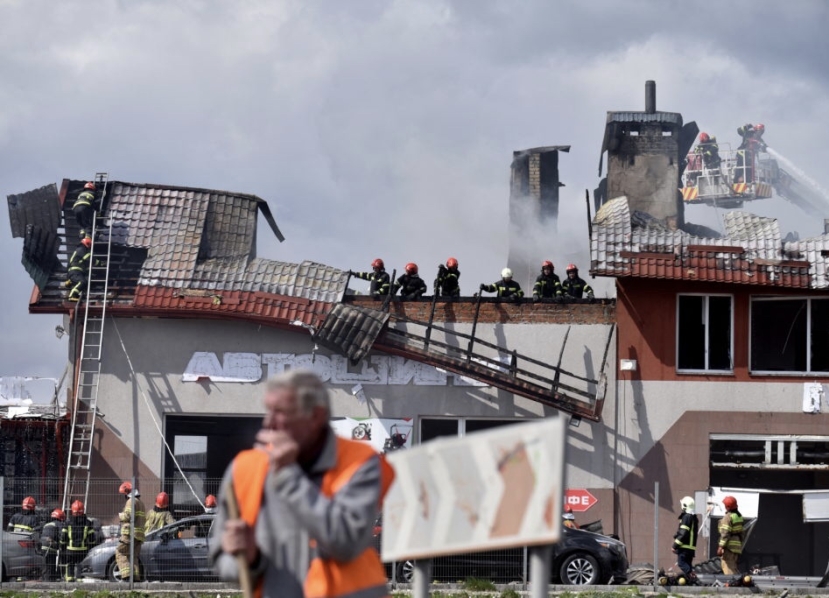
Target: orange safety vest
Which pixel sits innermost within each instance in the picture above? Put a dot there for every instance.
(363, 577)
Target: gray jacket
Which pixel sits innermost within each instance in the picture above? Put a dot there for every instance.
(293, 512)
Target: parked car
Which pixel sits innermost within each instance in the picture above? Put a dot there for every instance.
(174, 552)
(20, 556)
(580, 558)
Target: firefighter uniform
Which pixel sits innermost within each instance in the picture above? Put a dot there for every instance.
(122, 552)
(710, 153)
(448, 281)
(76, 538)
(49, 544)
(505, 289)
(547, 287)
(576, 288)
(23, 522)
(379, 282)
(78, 270)
(685, 541)
(411, 286)
(158, 518)
(84, 211)
(731, 541)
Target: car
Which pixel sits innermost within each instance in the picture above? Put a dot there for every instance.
(176, 552)
(20, 556)
(580, 558)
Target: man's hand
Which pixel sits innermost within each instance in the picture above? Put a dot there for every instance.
(720, 551)
(238, 537)
(282, 450)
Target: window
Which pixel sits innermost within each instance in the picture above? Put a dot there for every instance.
(789, 335)
(704, 333)
(431, 428)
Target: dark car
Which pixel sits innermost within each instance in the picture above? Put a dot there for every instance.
(175, 552)
(20, 556)
(580, 558)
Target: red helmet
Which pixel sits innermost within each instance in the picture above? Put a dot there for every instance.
(411, 268)
(760, 127)
(125, 488)
(90, 185)
(572, 267)
(162, 500)
(729, 502)
(547, 264)
(86, 242)
(210, 501)
(77, 508)
(704, 138)
(451, 263)
(378, 263)
(59, 515)
(29, 503)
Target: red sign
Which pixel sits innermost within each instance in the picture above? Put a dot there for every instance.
(579, 500)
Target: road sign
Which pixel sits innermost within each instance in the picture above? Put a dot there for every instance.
(579, 500)
(494, 489)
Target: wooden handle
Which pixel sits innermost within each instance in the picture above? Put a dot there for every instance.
(241, 560)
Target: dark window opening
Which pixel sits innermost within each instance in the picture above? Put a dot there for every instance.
(820, 335)
(435, 428)
(704, 333)
(779, 335)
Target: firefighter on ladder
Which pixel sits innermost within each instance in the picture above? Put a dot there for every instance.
(79, 269)
(84, 210)
(133, 507)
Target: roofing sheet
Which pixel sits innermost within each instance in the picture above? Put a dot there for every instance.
(39, 207)
(351, 330)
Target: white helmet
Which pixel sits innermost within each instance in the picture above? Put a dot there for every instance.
(688, 505)
(506, 273)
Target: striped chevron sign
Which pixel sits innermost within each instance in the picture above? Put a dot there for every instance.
(494, 489)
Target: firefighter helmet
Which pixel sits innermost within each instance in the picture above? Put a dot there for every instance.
(572, 268)
(90, 185)
(59, 515)
(688, 504)
(704, 138)
(125, 488)
(730, 503)
(506, 273)
(547, 264)
(162, 500)
(411, 268)
(378, 263)
(451, 263)
(760, 128)
(77, 508)
(29, 503)
(210, 501)
(86, 242)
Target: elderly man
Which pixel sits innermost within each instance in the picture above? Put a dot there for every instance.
(307, 502)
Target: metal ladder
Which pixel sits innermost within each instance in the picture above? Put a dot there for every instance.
(84, 407)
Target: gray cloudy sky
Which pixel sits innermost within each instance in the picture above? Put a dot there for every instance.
(381, 128)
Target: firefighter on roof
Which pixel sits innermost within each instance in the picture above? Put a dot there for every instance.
(25, 521)
(448, 276)
(575, 287)
(378, 278)
(76, 538)
(79, 269)
(84, 209)
(410, 284)
(506, 288)
(548, 284)
(160, 515)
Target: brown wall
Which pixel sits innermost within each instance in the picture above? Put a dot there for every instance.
(646, 316)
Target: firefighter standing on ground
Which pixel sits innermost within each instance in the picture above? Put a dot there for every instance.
(378, 277)
(122, 552)
(448, 276)
(79, 269)
(411, 285)
(685, 539)
(548, 284)
(506, 288)
(84, 210)
(50, 543)
(575, 287)
(732, 536)
(307, 499)
(76, 538)
(210, 504)
(25, 521)
(160, 515)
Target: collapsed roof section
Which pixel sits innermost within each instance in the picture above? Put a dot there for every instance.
(634, 244)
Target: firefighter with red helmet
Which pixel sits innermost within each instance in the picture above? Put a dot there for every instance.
(133, 510)
(506, 288)
(50, 545)
(410, 284)
(160, 514)
(709, 150)
(25, 521)
(547, 284)
(84, 209)
(79, 269)
(76, 539)
(448, 276)
(210, 504)
(732, 536)
(574, 287)
(378, 277)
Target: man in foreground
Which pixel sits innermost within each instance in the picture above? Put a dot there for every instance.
(307, 502)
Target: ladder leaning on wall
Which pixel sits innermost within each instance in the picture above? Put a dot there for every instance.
(88, 372)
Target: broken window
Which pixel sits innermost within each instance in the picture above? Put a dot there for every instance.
(704, 336)
(789, 335)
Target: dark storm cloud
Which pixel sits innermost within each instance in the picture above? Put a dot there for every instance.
(378, 128)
